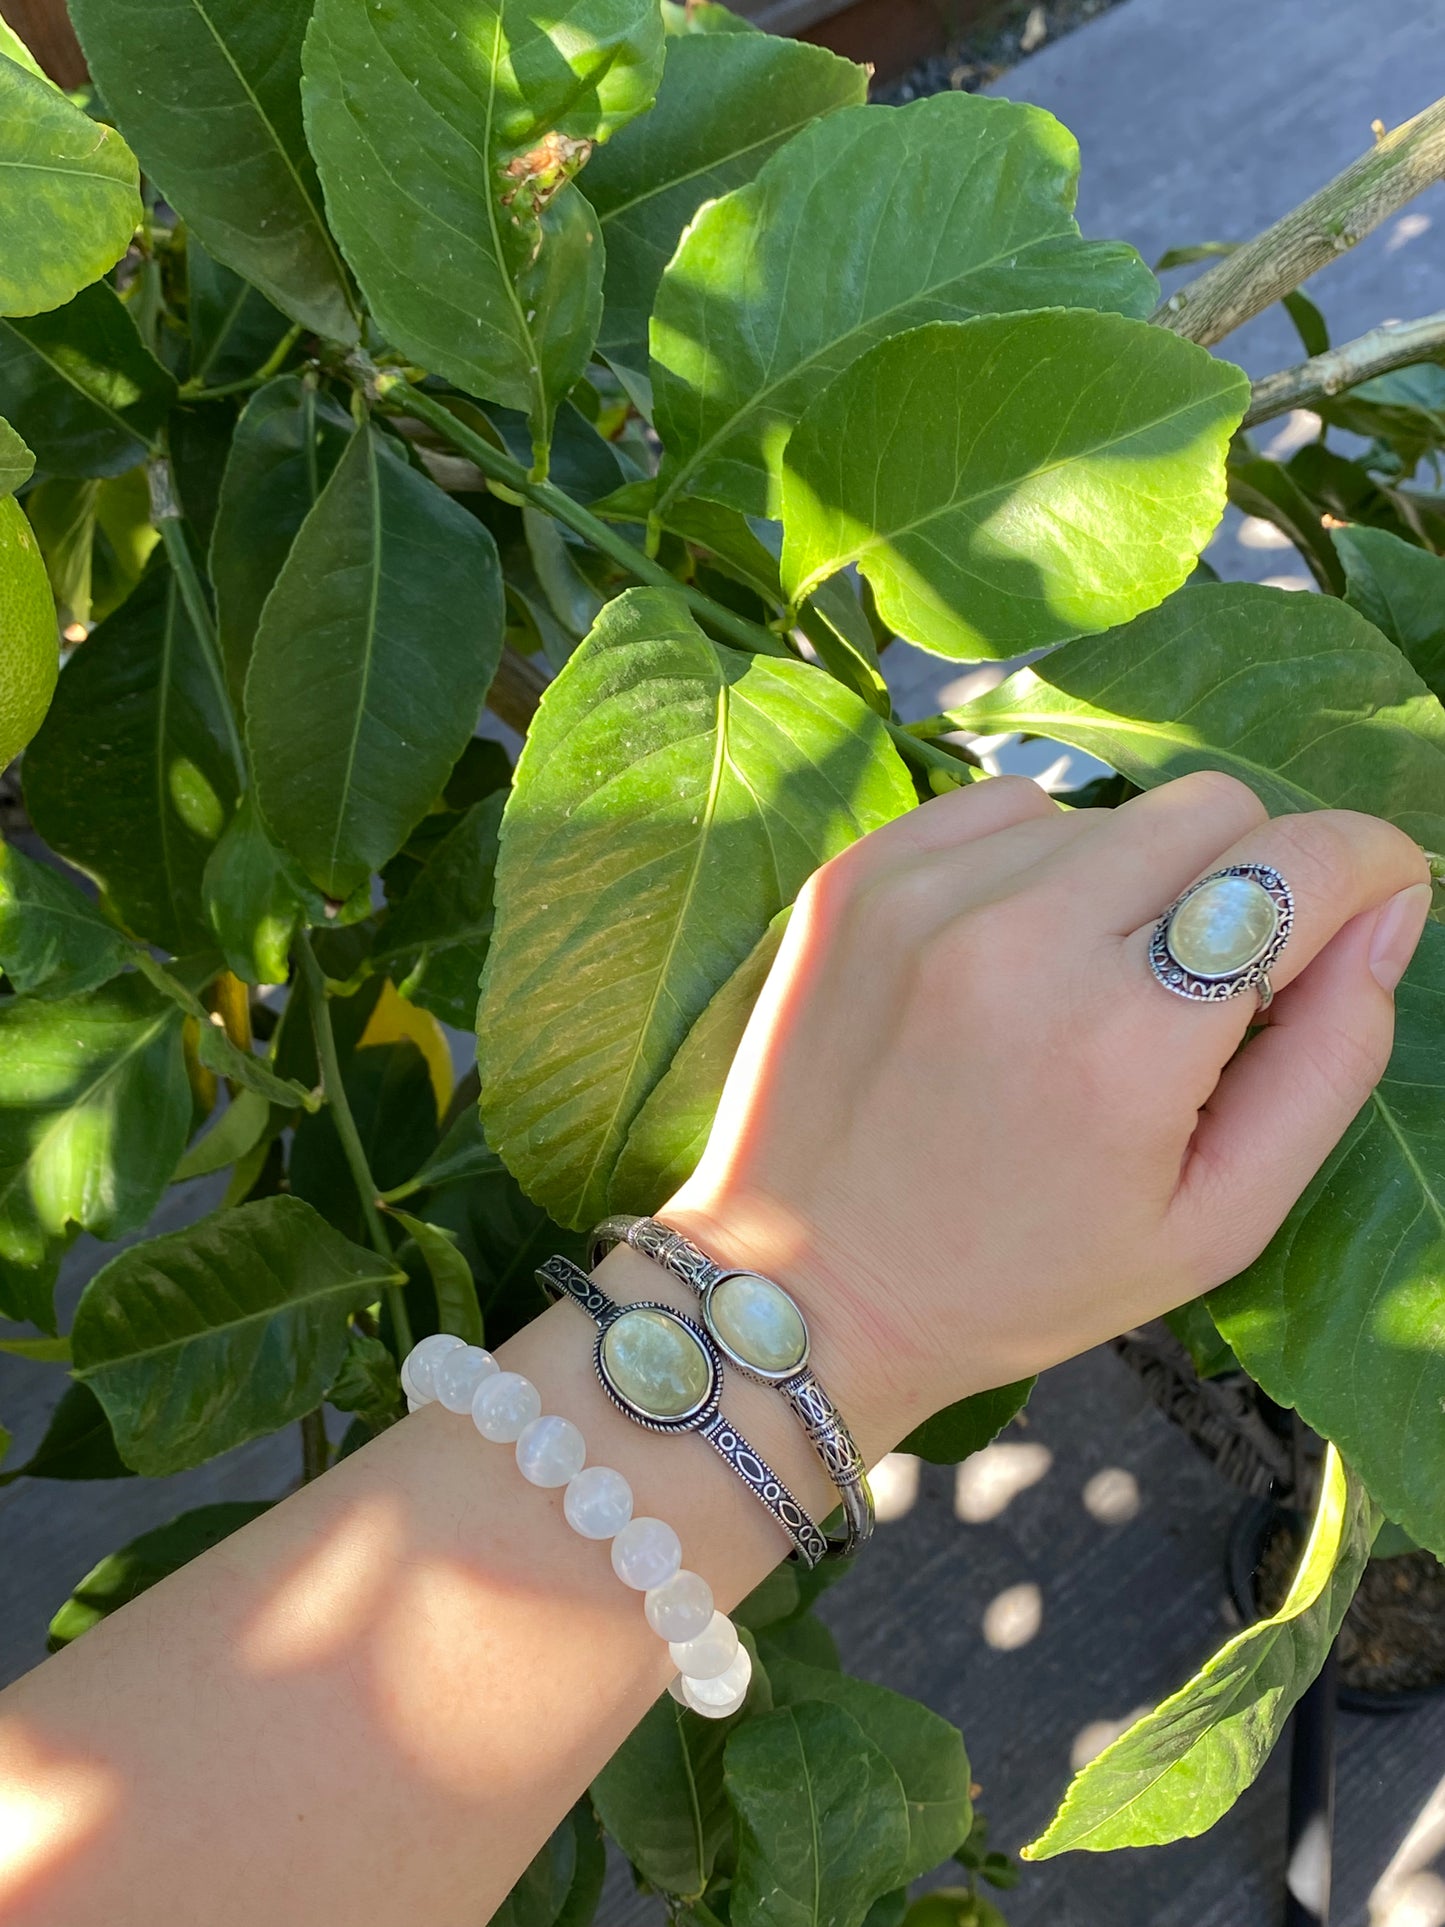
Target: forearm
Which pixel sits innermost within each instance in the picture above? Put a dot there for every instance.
(375, 1702)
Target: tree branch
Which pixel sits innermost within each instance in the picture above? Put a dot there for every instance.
(1329, 223)
(1397, 345)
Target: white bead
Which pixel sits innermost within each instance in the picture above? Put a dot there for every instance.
(709, 1655)
(418, 1373)
(681, 1608)
(550, 1451)
(727, 1691)
(598, 1502)
(505, 1406)
(415, 1404)
(457, 1376)
(674, 1686)
(645, 1553)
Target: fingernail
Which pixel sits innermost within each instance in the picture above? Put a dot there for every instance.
(1397, 931)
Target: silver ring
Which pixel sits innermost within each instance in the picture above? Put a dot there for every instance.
(1219, 939)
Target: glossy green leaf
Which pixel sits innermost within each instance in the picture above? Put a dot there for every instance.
(256, 898)
(670, 1132)
(233, 327)
(96, 537)
(69, 195)
(374, 653)
(78, 1444)
(207, 1337)
(130, 777)
(1012, 480)
(462, 1155)
(672, 797)
(287, 442)
(213, 1047)
(702, 16)
(81, 386)
(1296, 695)
(887, 217)
(822, 1819)
(240, 1126)
(451, 1276)
(1401, 589)
(562, 1884)
(94, 1112)
(1176, 1771)
(446, 140)
(389, 1089)
(1192, 1325)
(444, 923)
(722, 108)
(208, 93)
(17, 464)
(924, 1751)
(125, 1575)
(1404, 410)
(953, 1907)
(53, 941)
(368, 1383)
(1269, 490)
(960, 1430)
(41, 1351)
(1340, 1317)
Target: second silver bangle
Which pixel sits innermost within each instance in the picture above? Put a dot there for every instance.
(780, 1360)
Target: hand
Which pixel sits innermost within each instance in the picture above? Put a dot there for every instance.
(975, 1135)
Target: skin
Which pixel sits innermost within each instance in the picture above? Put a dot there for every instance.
(970, 1133)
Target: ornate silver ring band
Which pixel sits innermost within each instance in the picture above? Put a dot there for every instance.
(758, 1327)
(664, 1372)
(1224, 935)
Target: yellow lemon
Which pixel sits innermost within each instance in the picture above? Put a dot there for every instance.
(29, 642)
(394, 1019)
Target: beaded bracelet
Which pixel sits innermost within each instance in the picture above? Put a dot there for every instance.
(713, 1666)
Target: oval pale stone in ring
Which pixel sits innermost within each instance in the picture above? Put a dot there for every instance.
(758, 1322)
(1223, 927)
(657, 1363)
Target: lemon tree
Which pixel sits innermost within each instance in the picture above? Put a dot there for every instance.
(29, 645)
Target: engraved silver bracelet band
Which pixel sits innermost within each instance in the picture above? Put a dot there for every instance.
(686, 1372)
(763, 1303)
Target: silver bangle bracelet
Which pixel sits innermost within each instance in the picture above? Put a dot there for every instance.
(685, 1371)
(785, 1365)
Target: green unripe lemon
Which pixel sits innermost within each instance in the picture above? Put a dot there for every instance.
(29, 644)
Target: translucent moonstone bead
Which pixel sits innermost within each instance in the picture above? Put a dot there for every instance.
(550, 1451)
(657, 1363)
(681, 1607)
(674, 1686)
(418, 1371)
(1225, 925)
(758, 1322)
(716, 1698)
(597, 1502)
(505, 1405)
(710, 1653)
(459, 1373)
(646, 1553)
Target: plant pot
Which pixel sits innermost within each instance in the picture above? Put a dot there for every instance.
(1253, 1538)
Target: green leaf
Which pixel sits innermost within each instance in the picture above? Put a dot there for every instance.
(1270, 491)
(953, 1907)
(94, 1113)
(368, 1383)
(213, 1047)
(17, 464)
(1192, 1325)
(672, 796)
(78, 1443)
(1296, 695)
(207, 1337)
(208, 94)
(12, 47)
(723, 106)
(446, 140)
(53, 941)
(960, 1430)
(451, 1276)
(1340, 1317)
(82, 387)
(702, 16)
(233, 327)
(822, 1819)
(562, 1885)
(375, 651)
(1404, 409)
(389, 1089)
(41, 1351)
(953, 206)
(96, 537)
(443, 925)
(462, 1155)
(286, 444)
(670, 1131)
(1013, 480)
(1401, 589)
(125, 1575)
(240, 1127)
(69, 195)
(256, 899)
(924, 1751)
(130, 777)
(1176, 1771)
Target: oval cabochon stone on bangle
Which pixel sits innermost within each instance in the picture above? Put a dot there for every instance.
(756, 1323)
(1222, 926)
(654, 1362)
